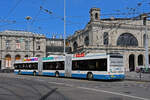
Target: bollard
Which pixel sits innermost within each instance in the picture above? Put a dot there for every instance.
(140, 74)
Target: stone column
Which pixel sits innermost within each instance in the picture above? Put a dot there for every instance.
(136, 61)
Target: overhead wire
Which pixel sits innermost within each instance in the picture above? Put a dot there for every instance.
(35, 17)
(9, 22)
(13, 8)
(61, 18)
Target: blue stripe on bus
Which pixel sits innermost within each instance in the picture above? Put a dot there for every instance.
(31, 73)
(107, 77)
(62, 74)
(53, 74)
(16, 72)
(95, 76)
(79, 75)
(24, 72)
(49, 73)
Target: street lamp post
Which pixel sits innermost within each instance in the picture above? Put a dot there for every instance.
(28, 18)
(64, 27)
(146, 43)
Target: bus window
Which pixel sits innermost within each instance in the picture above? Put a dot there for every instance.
(46, 66)
(76, 65)
(53, 66)
(103, 64)
(57, 66)
(60, 66)
(92, 65)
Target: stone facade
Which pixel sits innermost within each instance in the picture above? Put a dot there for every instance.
(14, 46)
(55, 46)
(113, 35)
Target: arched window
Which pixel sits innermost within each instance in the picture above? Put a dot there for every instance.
(26, 56)
(131, 62)
(127, 39)
(105, 38)
(17, 57)
(86, 41)
(8, 60)
(140, 59)
(38, 55)
(75, 45)
(96, 16)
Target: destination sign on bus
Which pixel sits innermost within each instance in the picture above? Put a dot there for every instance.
(79, 55)
(30, 59)
(48, 58)
(53, 58)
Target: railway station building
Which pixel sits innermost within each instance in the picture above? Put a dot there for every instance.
(113, 35)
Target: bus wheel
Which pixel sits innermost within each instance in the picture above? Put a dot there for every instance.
(90, 76)
(57, 74)
(34, 73)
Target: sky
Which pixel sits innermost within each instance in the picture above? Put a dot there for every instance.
(47, 15)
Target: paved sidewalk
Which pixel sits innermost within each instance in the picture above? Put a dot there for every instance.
(137, 76)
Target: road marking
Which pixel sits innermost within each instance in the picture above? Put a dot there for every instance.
(140, 82)
(39, 80)
(57, 83)
(115, 93)
(69, 85)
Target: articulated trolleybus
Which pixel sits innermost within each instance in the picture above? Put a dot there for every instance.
(90, 66)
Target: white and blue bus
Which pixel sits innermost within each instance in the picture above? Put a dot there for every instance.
(89, 66)
(26, 66)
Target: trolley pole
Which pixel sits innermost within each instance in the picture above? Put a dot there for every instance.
(146, 43)
(64, 27)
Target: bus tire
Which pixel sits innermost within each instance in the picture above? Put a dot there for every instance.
(90, 76)
(34, 73)
(57, 74)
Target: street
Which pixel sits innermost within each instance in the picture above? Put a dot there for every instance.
(25, 87)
